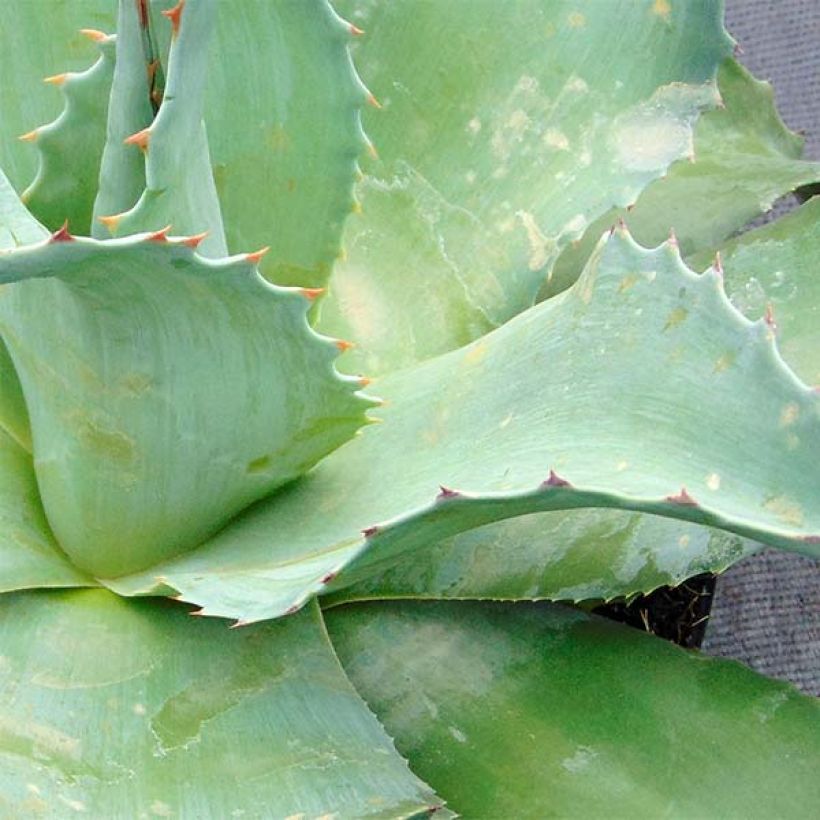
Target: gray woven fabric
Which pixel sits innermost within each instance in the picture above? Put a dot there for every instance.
(766, 611)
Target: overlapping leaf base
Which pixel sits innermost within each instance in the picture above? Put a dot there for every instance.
(115, 708)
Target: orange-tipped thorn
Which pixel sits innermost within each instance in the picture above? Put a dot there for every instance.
(94, 34)
(159, 236)
(110, 222)
(311, 293)
(343, 345)
(364, 381)
(56, 79)
(371, 100)
(29, 136)
(355, 30)
(62, 235)
(193, 241)
(673, 239)
(768, 317)
(371, 149)
(718, 264)
(175, 15)
(140, 139)
(254, 257)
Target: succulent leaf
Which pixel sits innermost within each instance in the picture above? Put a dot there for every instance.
(122, 170)
(179, 182)
(284, 130)
(771, 272)
(550, 412)
(29, 554)
(70, 148)
(572, 555)
(39, 39)
(744, 159)
(546, 712)
(153, 420)
(499, 143)
(122, 708)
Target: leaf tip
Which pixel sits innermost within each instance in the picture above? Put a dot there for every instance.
(175, 16)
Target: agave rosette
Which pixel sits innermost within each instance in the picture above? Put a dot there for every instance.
(566, 412)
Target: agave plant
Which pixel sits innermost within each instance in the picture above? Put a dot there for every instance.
(568, 412)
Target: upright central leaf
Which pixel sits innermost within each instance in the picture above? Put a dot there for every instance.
(165, 392)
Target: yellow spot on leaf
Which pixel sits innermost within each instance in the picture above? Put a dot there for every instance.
(662, 8)
(789, 414)
(713, 481)
(628, 282)
(675, 317)
(475, 353)
(684, 541)
(724, 362)
(788, 511)
(278, 139)
(577, 20)
(541, 247)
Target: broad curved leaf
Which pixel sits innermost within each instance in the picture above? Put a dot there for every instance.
(507, 129)
(29, 554)
(154, 420)
(538, 711)
(121, 708)
(573, 555)
(572, 386)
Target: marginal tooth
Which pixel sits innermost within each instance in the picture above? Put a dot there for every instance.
(193, 241)
(364, 381)
(29, 136)
(56, 79)
(445, 493)
(355, 30)
(61, 235)
(555, 480)
(343, 345)
(673, 239)
(159, 236)
(356, 207)
(311, 293)
(175, 15)
(94, 34)
(717, 265)
(254, 257)
(235, 624)
(683, 499)
(369, 532)
(140, 139)
(371, 100)
(768, 317)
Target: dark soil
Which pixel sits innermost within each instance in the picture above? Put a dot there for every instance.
(678, 614)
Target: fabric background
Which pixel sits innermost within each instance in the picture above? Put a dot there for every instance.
(766, 611)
